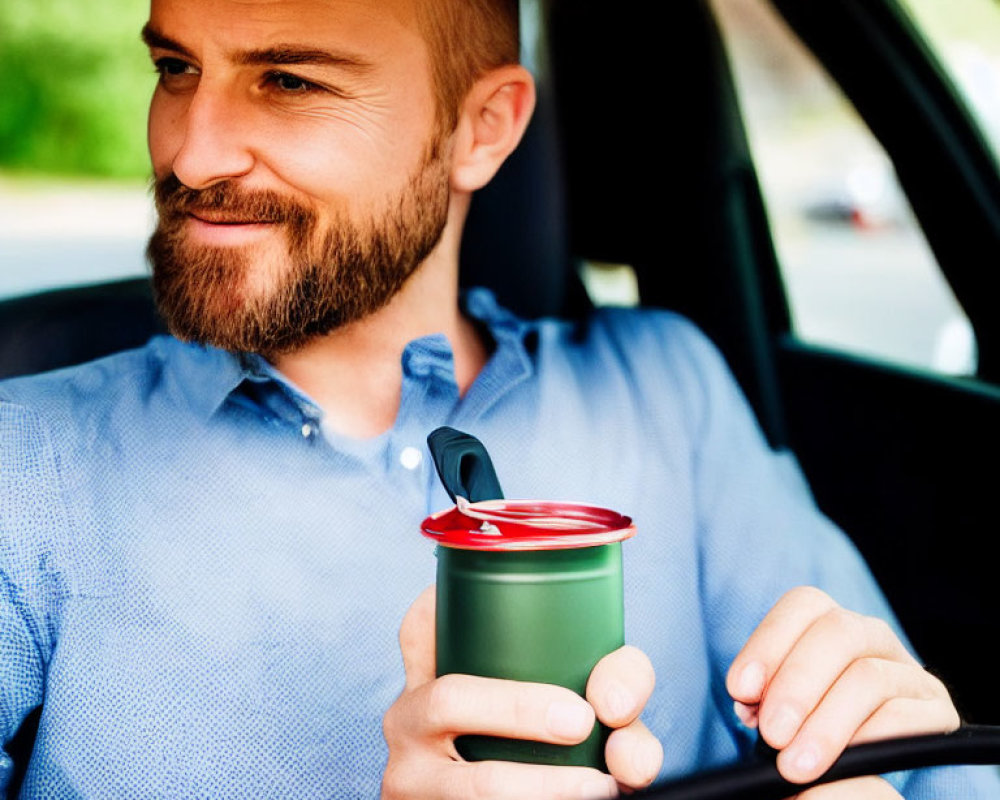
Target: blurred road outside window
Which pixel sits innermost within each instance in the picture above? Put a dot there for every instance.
(858, 272)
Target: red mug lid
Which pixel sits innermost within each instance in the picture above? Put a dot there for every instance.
(525, 525)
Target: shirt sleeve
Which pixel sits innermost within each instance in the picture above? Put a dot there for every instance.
(30, 515)
(762, 534)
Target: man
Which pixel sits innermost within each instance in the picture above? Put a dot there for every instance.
(208, 546)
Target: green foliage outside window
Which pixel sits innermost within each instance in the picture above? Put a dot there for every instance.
(75, 83)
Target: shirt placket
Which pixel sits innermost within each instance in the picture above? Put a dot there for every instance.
(428, 399)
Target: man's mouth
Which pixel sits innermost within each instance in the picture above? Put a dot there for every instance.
(222, 218)
(222, 229)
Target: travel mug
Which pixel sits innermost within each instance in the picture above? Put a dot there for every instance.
(531, 591)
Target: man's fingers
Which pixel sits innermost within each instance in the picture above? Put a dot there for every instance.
(428, 716)
(868, 788)
(908, 714)
(416, 639)
(503, 780)
(618, 689)
(815, 678)
(620, 685)
(874, 694)
(836, 641)
(454, 705)
(634, 755)
(773, 638)
(499, 780)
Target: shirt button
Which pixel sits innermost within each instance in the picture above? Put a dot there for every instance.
(307, 430)
(410, 457)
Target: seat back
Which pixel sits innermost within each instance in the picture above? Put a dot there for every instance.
(659, 175)
(69, 326)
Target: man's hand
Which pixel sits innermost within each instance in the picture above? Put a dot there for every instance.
(421, 726)
(815, 678)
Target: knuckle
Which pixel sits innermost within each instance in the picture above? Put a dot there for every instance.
(848, 627)
(949, 718)
(842, 619)
(936, 688)
(809, 595)
(900, 715)
(939, 696)
(390, 724)
(445, 697)
(871, 672)
(895, 715)
(881, 630)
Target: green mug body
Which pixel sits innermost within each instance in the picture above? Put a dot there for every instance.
(541, 615)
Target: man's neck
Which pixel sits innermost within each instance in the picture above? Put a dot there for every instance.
(355, 373)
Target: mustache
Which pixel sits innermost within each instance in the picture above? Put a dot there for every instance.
(174, 200)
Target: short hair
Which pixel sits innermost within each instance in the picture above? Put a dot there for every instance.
(465, 39)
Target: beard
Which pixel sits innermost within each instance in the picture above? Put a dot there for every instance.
(275, 297)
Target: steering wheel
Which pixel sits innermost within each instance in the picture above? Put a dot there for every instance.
(759, 779)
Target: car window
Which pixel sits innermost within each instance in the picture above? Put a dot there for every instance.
(968, 44)
(858, 272)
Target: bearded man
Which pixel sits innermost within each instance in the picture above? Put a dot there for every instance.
(209, 543)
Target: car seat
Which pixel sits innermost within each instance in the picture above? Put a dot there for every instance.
(600, 176)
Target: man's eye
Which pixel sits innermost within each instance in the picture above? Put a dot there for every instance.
(291, 84)
(171, 66)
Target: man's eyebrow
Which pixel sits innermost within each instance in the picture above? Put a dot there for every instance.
(286, 54)
(153, 38)
(278, 55)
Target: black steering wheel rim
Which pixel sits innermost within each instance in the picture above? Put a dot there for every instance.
(760, 780)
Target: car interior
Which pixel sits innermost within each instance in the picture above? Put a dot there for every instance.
(638, 155)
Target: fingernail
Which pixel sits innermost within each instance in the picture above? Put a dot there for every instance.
(570, 720)
(751, 683)
(747, 714)
(804, 759)
(619, 701)
(598, 788)
(782, 725)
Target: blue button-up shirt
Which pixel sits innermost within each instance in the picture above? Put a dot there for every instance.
(202, 585)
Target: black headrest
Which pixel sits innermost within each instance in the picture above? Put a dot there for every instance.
(516, 240)
(69, 326)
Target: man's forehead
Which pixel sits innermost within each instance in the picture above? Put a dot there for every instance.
(248, 23)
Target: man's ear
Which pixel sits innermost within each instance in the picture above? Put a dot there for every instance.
(493, 118)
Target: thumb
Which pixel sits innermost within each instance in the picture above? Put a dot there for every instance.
(416, 639)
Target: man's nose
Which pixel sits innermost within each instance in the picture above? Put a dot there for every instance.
(216, 145)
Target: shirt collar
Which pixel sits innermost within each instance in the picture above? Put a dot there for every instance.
(208, 376)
